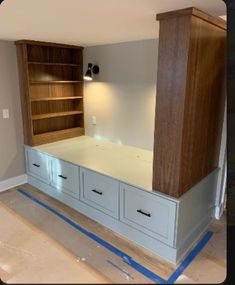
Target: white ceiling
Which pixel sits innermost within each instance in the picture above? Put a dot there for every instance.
(90, 22)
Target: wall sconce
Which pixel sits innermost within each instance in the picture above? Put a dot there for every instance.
(91, 69)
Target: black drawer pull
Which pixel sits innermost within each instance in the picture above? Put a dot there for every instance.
(97, 192)
(36, 165)
(144, 213)
(63, 177)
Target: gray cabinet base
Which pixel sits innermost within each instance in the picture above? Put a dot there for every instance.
(160, 249)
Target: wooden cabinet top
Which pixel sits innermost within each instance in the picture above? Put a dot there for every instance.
(194, 12)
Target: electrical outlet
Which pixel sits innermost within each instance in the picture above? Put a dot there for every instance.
(5, 114)
(93, 120)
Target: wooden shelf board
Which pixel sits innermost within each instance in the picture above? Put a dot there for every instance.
(55, 115)
(54, 136)
(56, 82)
(53, 63)
(55, 98)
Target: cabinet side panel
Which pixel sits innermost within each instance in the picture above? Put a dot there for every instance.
(204, 104)
(24, 93)
(195, 212)
(171, 90)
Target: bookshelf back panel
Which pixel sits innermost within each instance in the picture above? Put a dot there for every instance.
(54, 72)
(57, 124)
(37, 53)
(55, 90)
(43, 107)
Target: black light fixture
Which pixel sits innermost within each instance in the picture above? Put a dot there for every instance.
(91, 69)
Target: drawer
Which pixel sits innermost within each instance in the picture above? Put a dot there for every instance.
(38, 165)
(149, 213)
(65, 177)
(100, 192)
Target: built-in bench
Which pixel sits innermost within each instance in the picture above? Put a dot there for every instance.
(112, 184)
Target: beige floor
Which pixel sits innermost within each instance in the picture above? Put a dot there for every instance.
(28, 254)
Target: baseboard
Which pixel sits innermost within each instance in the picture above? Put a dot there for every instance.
(193, 238)
(13, 182)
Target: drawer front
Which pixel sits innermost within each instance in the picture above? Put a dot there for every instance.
(65, 177)
(100, 192)
(151, 214)
(38, 165)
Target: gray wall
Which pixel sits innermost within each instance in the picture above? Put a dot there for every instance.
(11, 132)
(122, 96)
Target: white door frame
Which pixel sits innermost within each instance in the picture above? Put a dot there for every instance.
(222, 176)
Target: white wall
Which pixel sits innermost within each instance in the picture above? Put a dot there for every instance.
(11, 131)
(122, 96)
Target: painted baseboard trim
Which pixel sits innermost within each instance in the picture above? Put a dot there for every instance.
(13, 182)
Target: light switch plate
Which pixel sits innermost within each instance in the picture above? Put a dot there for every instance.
(5, 114)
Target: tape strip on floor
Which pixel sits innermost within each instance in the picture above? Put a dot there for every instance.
(126, 258)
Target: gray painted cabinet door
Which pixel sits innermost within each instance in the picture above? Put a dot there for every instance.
(65, 177)
(149, 213)
(38, 165)
(100, 192)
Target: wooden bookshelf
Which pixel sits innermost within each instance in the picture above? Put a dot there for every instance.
(51, 82)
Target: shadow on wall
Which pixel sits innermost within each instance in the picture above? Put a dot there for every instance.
(122, 96)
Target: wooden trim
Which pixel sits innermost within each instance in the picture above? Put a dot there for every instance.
(39, 43)
(195, 12)
(24, 92)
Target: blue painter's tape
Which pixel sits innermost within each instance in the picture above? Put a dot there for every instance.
(189, 258)
(126, 258)
(120, 269)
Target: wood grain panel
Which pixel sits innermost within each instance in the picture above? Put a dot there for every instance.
(55, 90)
(204, 103)
(54, 73)
(190, 100)
(58, 135)
(50, 78)
(56, 98)
(24, 93)
(42, 107)
(171, 85)
(55, 115)
(48, 44)
(56, 124)
(194, 12)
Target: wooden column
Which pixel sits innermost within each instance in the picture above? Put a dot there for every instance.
(190, 99)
